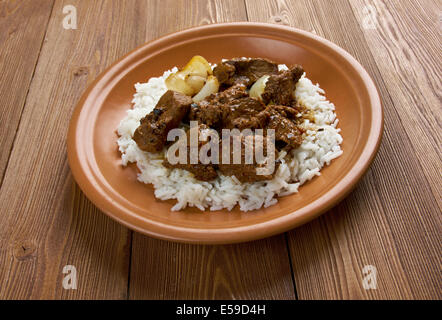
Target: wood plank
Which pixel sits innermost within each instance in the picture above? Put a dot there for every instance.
(254, 270)
(46, 222)
(391, 219)
(22, 28)
(163, 270)
(412, 75)
(409, 46)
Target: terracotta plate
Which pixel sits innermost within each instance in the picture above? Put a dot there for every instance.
(95, 160)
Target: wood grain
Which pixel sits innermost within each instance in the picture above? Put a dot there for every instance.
(22, 28)
(254, 270)
(46, 221)
(162, 270)
(392, 220)
(410, 51)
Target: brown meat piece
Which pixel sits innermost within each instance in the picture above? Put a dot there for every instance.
(244, 71)
(288, 135)
(247, 172)
(223, 72)
(213, 110)
(244, 114)
(280, 87)
(231, 108)
(210, 114)
(172, 107)
(203, 172)
(227, 96)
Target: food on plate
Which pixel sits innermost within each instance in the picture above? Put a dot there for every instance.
(244, 71)
(242, 132)
(211, 86)
(170, 110)
(191, 78)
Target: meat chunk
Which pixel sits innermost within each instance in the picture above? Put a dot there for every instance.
(227, 96)
(280, 87)
(231, 108)
(172, 107)
(203, 172)
(213, 110)
(282, 119)
(247, 172)
(243, 71)
(224, 72)
(244, 114)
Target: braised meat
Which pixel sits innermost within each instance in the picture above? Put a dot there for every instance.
(213, 110)
(244, 171)
(288, 135)
(224, 72)
(247, 172)
(172, 107)
(231, 108)
(244, 114)
(244, 71)
(280, 87)
(203, 172)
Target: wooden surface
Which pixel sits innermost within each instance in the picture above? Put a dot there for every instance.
(392, 220)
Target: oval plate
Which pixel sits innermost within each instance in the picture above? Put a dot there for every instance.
(95, 160)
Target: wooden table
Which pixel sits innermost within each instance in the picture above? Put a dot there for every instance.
(391, 221)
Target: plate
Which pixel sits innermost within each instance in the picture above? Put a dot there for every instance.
(95, 160)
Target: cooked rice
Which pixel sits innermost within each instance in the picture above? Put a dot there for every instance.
(320, 146)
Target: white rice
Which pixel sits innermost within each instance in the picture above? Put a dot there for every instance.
(319, 148)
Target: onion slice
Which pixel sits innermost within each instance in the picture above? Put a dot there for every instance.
(176, 83)
(197, 66)
(190, 80)
(258, 87)
(211, 86)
